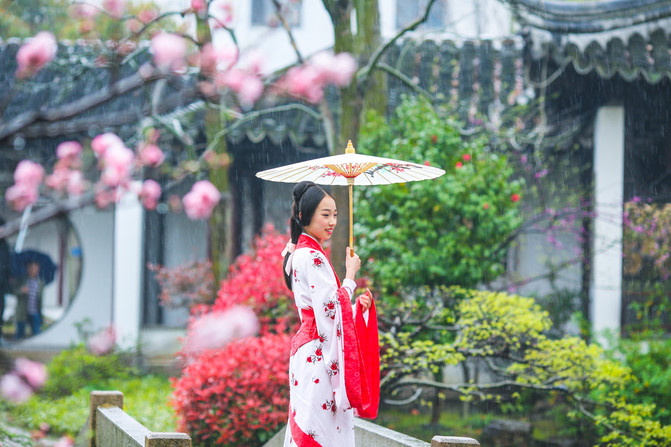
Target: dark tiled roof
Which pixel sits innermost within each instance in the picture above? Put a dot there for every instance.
(624, 37)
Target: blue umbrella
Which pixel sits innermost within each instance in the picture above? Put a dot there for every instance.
(20, 260)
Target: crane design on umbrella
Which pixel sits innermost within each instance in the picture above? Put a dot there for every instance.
(351, 169)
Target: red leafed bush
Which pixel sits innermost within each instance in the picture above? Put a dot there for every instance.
(255, 280)
(237, 395)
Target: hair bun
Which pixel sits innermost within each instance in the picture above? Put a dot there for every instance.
(300, 189)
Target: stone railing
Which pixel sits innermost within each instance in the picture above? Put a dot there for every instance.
(372, 435)
(110, 426)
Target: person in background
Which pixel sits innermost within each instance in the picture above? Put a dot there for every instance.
(29, 302)
(4, 278)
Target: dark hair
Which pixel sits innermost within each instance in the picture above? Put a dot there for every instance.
(306, 199)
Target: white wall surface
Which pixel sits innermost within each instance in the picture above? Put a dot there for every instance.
(93, 300)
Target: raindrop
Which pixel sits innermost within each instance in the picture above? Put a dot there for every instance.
(162, 208)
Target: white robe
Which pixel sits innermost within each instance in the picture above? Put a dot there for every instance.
(322, 362)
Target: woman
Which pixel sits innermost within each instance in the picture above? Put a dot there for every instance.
(334, 365)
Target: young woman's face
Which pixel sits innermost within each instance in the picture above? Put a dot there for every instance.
(324, 220)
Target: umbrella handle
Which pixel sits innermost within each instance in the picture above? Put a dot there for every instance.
(351, 218)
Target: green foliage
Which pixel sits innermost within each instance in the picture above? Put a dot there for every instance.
(509, 333)
(76, 368)
(650, 363)
(447, 231)
(146, 399)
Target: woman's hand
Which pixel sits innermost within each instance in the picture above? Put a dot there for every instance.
(366, 300)
(352, 264)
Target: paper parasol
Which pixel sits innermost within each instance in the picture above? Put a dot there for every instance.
(351, 169)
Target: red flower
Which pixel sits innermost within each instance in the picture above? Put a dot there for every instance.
(318, 352)
(434, 138)
(309, 359)
(317, 261)
(323, 406)
(486, 206)
(459, 164)
(317, 380)
(467, 157)
(426, 163)
(515, 197)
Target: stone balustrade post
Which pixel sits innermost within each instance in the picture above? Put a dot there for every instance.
(453, 441)
(167, 440)
(101, 399)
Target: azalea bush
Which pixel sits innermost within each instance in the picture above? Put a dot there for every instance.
(237, 395)
(234, 386)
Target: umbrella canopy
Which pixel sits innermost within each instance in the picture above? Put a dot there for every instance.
(351, 169)
(20, 260)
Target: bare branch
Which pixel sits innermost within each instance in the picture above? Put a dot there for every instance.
(287, 28)
(365, 71)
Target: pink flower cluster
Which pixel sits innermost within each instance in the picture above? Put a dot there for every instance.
(67, 176)
(19, 384)
(115, 8)
(25, 191)
(215, 330)
(309, 80)
(169, 51)
(201, 200)
(35, 54)
(102, 342)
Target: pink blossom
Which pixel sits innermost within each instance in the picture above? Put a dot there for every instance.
(116, 8)
(199, 6)
(147, 15)
(68, 149)
(59, 179)
(216, 329)
(84, 11)
(76, 184)
(104, 197)
(336, 69)
(201, 200)
(102, 342)
(28, 173)
(14, 388)
(20, 196)
(102, 142)
(304, 82)
(169, 51)
(151, 192)
(213, 59)
(35, 373)
(150, 155)
(35, 54)
(118, 162)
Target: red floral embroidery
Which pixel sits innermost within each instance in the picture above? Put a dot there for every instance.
(322, 338)
(333, 368)
(317, 260)
(317, 356)
(315, 380)
(330, 308)
(329, 405)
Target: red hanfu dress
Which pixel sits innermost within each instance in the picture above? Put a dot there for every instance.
(334, 368)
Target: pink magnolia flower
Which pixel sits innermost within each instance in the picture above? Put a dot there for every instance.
(68, 149)
(28, 173)
(304, 82)
(84, 11)
(35, 54)
(35, 373)
(201, 200)
(102, 342)
(147, 15)
(199, 6)
(116, 8)
(59, 179)
(216, 329)
(213, 59)
(102, 142)
(169, 51)
(150, 193)
(150, 155)
(20, 196)
(118, 162)
(14, 388)
(335, 69)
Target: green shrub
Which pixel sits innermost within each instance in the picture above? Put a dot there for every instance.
(76, 368)
(146, 399)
